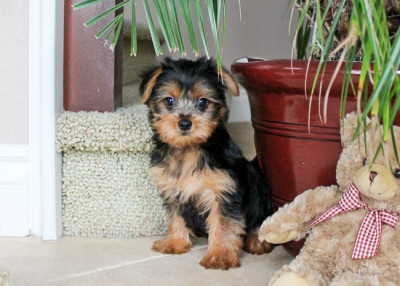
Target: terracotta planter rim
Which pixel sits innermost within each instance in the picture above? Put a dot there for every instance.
(295, 72)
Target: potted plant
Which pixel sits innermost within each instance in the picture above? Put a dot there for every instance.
(361, 35)
(297, 135)
(353, 46)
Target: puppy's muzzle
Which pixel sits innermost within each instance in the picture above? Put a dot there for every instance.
(185, 124)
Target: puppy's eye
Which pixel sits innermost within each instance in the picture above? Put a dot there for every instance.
(364, 161)
(169, 102)
(202, 103)
(397, 173)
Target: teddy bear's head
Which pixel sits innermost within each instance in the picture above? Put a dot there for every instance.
(378, 183)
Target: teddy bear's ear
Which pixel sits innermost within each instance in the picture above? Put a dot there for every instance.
(348, 127)
(389, 150)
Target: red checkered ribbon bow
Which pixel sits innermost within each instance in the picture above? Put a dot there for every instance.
(370, 232)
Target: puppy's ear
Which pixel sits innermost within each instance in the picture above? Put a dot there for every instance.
(230, 82)
(149, 79)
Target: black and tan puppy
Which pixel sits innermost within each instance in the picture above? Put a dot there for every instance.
(208, 187)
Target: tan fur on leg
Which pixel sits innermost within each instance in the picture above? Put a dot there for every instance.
(224, 241)
(177, 240)
(220, 258)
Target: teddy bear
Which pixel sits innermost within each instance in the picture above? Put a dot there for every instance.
(351, 229)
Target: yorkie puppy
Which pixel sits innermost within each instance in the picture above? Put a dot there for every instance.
(207, 186)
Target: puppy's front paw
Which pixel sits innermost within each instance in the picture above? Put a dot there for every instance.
(172, 246)
(220, 260)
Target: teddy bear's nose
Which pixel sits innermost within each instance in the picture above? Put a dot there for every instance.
(372, 175)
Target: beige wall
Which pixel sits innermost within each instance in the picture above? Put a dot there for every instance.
(14, 74)
(263, 31)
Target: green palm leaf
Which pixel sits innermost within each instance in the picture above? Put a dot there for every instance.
(168, 18)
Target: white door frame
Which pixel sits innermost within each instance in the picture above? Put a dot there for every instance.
(46, 41)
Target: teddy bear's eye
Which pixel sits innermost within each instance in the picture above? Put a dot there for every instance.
(364, 161)
(397, 173)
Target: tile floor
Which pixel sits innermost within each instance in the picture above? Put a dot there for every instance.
(86, 261)
(113, 262)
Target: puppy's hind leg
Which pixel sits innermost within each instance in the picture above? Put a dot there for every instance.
(253, 245)
(258, 208)
(177, 240)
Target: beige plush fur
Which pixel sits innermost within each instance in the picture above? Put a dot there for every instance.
(4, 277)
(325, 258)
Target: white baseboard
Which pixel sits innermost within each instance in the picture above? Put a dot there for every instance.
(240, 109)
(14, 190)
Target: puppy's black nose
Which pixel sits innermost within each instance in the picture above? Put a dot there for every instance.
(184, 124)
